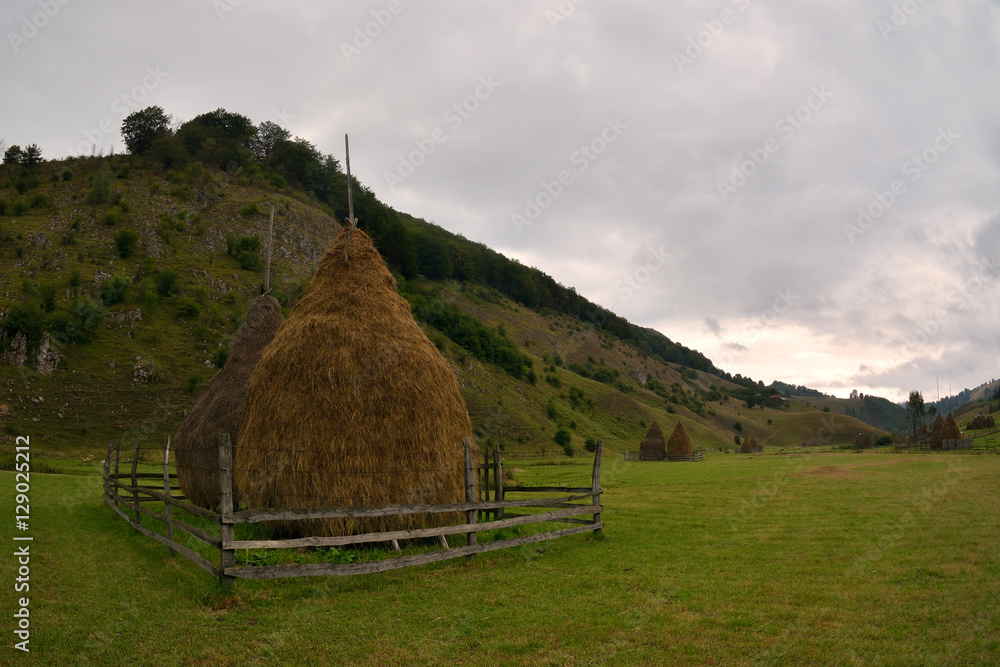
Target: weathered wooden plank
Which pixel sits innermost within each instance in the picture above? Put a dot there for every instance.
(183, 504)
(318, 569)
(168, 509)
(548, 489)
(498, 482)
(135, 492)
(227, 558)
(118, 454)
(259, 515)
(143, 475)
(596, 482)
(198, 534)
(194, 556)
(416, 533)
(470, 494)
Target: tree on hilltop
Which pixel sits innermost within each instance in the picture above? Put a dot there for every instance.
(141, 128)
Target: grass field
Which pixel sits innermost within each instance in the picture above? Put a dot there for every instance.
(828, 558)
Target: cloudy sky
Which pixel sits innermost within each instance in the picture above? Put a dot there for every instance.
(806, 192)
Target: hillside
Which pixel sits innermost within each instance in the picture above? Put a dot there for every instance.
(127, 343)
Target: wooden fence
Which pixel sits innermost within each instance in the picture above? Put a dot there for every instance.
(973, 445)
(697, 455)
(488, 514)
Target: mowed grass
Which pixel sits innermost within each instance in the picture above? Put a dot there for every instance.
(737, 560)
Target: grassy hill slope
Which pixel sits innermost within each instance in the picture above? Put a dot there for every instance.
(165, 313)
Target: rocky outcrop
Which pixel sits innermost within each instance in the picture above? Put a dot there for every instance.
(16, 353)
(47, 358)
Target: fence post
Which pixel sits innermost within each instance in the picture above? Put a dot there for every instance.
(168, 509)
(470, 493)
(107, 476)
(135, 483)
(596, 482)
(227, 557)
(118, 456)
(498, 483)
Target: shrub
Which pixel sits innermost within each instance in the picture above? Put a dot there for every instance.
(562, 437)
(736, 439)
(166, 282)
(221, 357)
(100, 186)
(125, 243)
(74, 278)
(590, 445)
(165, 229)
(26, 318)
(113, 290)
(250, 210)
(4, 205)
(193, 381)
(278, 182)
(738, 426)
(67, 175)
(250, 260)
(112, 217)
(85, 317)
(40, 200)
(20, 207)
(188, 308)
(47, 293)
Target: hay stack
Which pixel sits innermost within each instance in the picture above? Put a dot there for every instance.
(679, 443)
(751, 446)
(653, 447)
(950, 430)
(936, 432)
(351, 404)
(218, 410)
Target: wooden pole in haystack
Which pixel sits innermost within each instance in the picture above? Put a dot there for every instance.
(270, 240)
(352, 222)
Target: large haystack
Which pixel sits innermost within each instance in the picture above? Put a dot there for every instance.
(950, 430)
(653, 447)
(751, 446)
(679, 443)
(351, 404)
(218, 410)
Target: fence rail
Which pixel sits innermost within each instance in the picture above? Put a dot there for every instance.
(696, 455)
(125, 496)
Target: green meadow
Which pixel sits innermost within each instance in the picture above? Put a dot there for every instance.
(808, 558)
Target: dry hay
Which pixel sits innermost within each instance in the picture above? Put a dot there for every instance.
(981, 421)
(653, 447)
(352, 405)
(679, 443)
(751, 446)
(218, 410)
(936, 432)
(950, 430)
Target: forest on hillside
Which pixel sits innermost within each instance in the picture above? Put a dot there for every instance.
(269, 156)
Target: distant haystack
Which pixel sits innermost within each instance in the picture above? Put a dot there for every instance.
(679, 443)
(352, 405)
(950, 430)
(653, 447)
(751, 446)
(220, 408)
(981, 421)
(936, 432)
